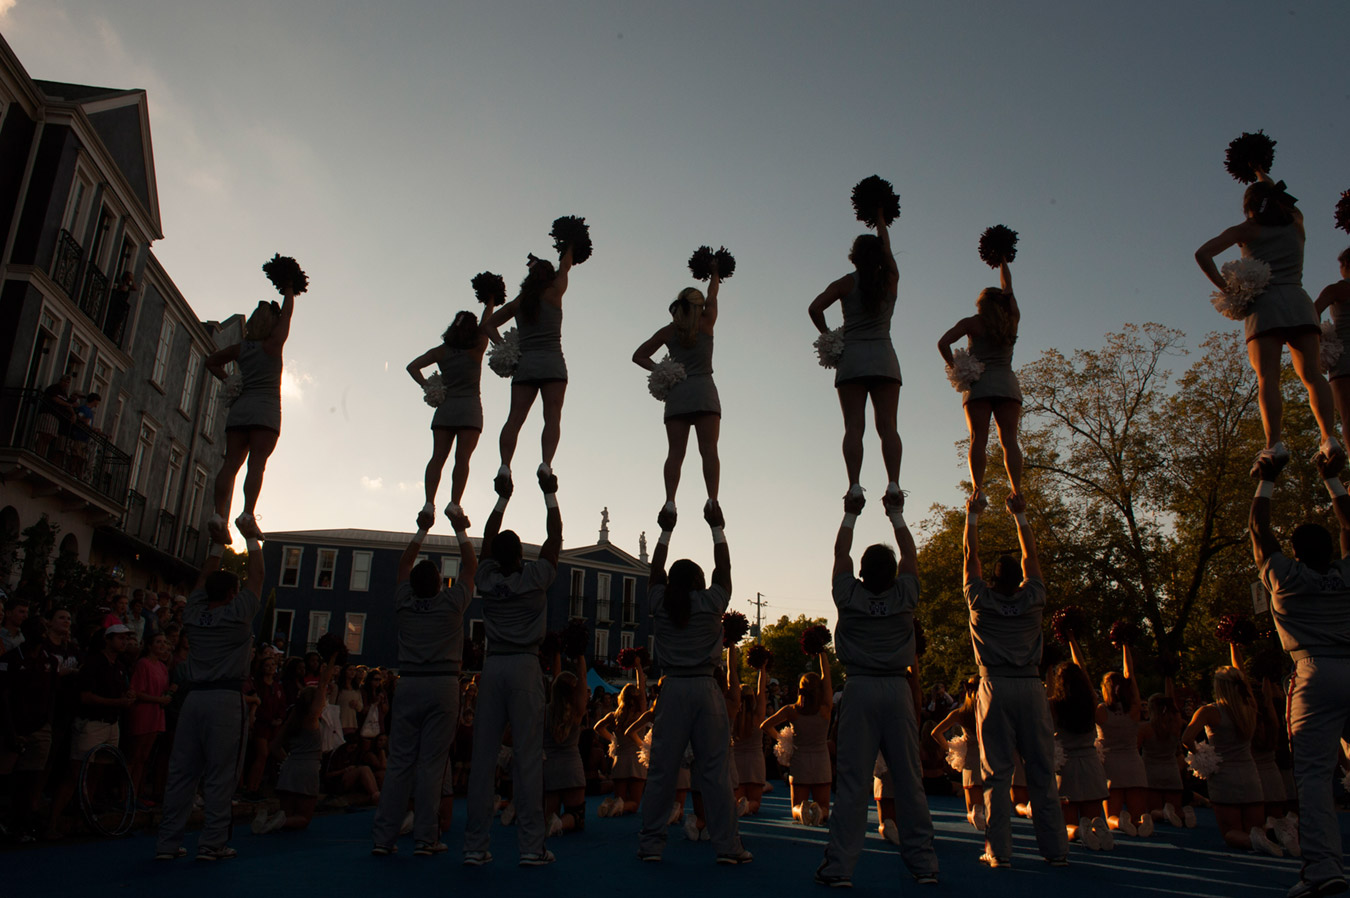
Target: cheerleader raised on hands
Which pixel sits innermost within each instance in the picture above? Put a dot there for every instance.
(991, 333)
(458, 421)
(1337, 298)
(1281, 314)
(693, 402)
(868, 366)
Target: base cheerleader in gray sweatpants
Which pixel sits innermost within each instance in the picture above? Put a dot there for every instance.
(874, 640)
(1310, 600)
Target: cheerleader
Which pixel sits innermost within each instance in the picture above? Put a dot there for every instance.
(458, 421)
(1082, 778)
(1118, 732)
(1159, 739)
(809, 717)
(300, 746)
(695, 828)
(1283, 314)
(868, 367)
(687, 619)
(628, 773)
(990, 334)
(972, 782)
(692, 402)
(253, 423)
(1336, 297)
(564, 775)
(747, 742)
(542, 371)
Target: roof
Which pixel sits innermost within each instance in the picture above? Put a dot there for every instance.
(80, 93)
(398, 539)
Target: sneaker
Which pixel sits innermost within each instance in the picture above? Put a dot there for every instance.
(1145, 826)
(742, 806)
(277, 821)
(1263, 845)
(1104, 834)
(926, 879)
(1287, 836)
(676, 812)
(993, 862)
(981, 501)
(426, 849)
(508, 814)
(854, 492)
(477, 858)
(383, 850)
(1188, 817)
(1305, 889)
(554, 825)
(542, 859)
(1270, 461)
(608, 807)
(407, 825)
(427, 517)
(1024, 809)
(260, 821)
(980, 822)
(705, 835)
(171, 855)
(890, 832)
(1057, 861)
(691, 828)
(1087, 835)
(1126, 825)
(218, 532)
(740, 857)
(223, 853)
(811, 813)
(248, 526)
(649, 857)
(833, 882)
(503, 479)
(544, 470)
(1171, 816)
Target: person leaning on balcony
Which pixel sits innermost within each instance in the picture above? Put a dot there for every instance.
(55, 412)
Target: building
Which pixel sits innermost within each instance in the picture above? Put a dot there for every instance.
(81, 293)
(342, 581)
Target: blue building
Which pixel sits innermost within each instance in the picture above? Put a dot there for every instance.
(341, 581)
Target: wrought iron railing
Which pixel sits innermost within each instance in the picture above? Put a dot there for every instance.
(66, 263)
(134, 519)
(95, 293)
(50, 431)
(164, 528)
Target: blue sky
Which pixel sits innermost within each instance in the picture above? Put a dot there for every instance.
(398, 150)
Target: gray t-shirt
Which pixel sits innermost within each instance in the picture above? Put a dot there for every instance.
(1311, 610)
(431, 631)
(220, 639)
(1006, 630)
(875, 633)
(515, 607)
(695, 648)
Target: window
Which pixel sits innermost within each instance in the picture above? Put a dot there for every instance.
(75, 360)
(626, 639)
(76, 208)
(449, 569)
(212, 406)
(185, 402)
(170, 498)
(323, 574)
(578, 582)
(290, 566)
(162, 352)
(601, 643)
(361, 571)
(105, 222)
(576, 600)
(354, 634)
(116, 421)
(141, 461)
(102, 378)
(629, 600)
(124, 257)
(285, 620)
(194, 509)
(318, 625)
(40, 366)
(602, 597)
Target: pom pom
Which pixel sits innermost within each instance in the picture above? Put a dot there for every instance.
(920, 639)
(1343, 212)
(782, 750)
(572, 231)
(734, 628)
(1204, 761)
(701, 262)
(614, 747)
(1244, 280)
(645, 750)
(830, 348)
(643, 657)
(628, 658)
(726, 263)
(998, 245)
(234, 387)
(871, 194)
(489, 288)
(504, 357)
(759, 657)
(1124, 632)
(664, 377)
(1236, 628)
(1332, 347)
(332, 649)
(956, 753)
(1248, 153)
(283, 272)
(575, 638)
(815, 639)
(1068, 621)
(1060, 757)
(964, 370)
(433, 391)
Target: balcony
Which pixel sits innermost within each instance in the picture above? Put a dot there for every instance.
(192, 540)
(164, 527)
(68, 453)
(602, 610)
(94, 297)
(134, 519)
(576, 607)
(66, 263)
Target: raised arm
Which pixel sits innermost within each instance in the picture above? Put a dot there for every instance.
(1031, 565)
(1076, 654)
(666, 521)
(721, 574)
(828, 297)
(494, 521)
(501, 316)
(315, 710)
(430, 357)
(709, 318)
(552, 519)
(1340, 503)
(641, 685)
(409, 556)
(216, 361)
(958, 330)
(971, 542)
(843, 541)
(1131, 683)
(904, 540)
(892, 272)
(733, 681)
(256, 571)
(211, 565)
(642, 356)
(468, 559)
(826, 686)
(1204, 256)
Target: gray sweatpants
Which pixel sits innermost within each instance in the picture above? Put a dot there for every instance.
(691, 710)
(1319, 717)
(208, 745)
(421, 728)
(510, 690)
(1012, 716)
(877, 713)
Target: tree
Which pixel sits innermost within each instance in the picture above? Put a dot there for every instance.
(789, 661)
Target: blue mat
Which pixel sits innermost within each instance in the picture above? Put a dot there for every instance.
(332, 858)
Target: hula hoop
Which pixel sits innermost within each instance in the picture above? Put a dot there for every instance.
(117, 774)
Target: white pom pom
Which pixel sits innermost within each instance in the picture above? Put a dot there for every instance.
(1244, 279)
(234, 385)
(614, 748)
(965, 370)
(956, 753)
(645, 750)
(504, 758)
(433, 391)
(664, 377)
(830, 348)
(1332, 347)
(1204, 761)
(783, 750)
(1060, 757)
(504, 357)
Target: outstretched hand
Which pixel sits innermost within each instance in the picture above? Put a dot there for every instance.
(548, 482)
(1016, 504)
(712, 513)
(504, 487)
(459, 520)
(853, 504)
(1267, 468)
(1327, 468)
(666, 519)
(972, 505)
(893, 502)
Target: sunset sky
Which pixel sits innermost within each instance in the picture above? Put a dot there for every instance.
(398, 149)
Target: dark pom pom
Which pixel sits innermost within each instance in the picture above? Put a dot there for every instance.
(920, 639)
(1123, 633)
(1068, 622)
(489, 288)
(726, 263)
(284, 271)
(701, 262)
(332, 649)
(815, 639)
(871, 194)
(734, 628)
(571, 230)
(551, 646)
(628, 658)
(575, 638)
(1343, 212)
(759, 657)
(998, 245)
(1248, 153)
(643, 657)
(1236, 628)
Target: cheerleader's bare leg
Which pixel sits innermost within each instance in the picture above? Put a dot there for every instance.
(1007, 417)
(978, 412)
(260, 446)
(677, 442)
(442, 440)
(236, 453)
(552, 394)
(522, 400)
(708, 427)
(885, 408)
(853, 402)
(1264, 353)
(465, 442)
(1305, 351)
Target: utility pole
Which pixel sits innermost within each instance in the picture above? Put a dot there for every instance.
(760, 605)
